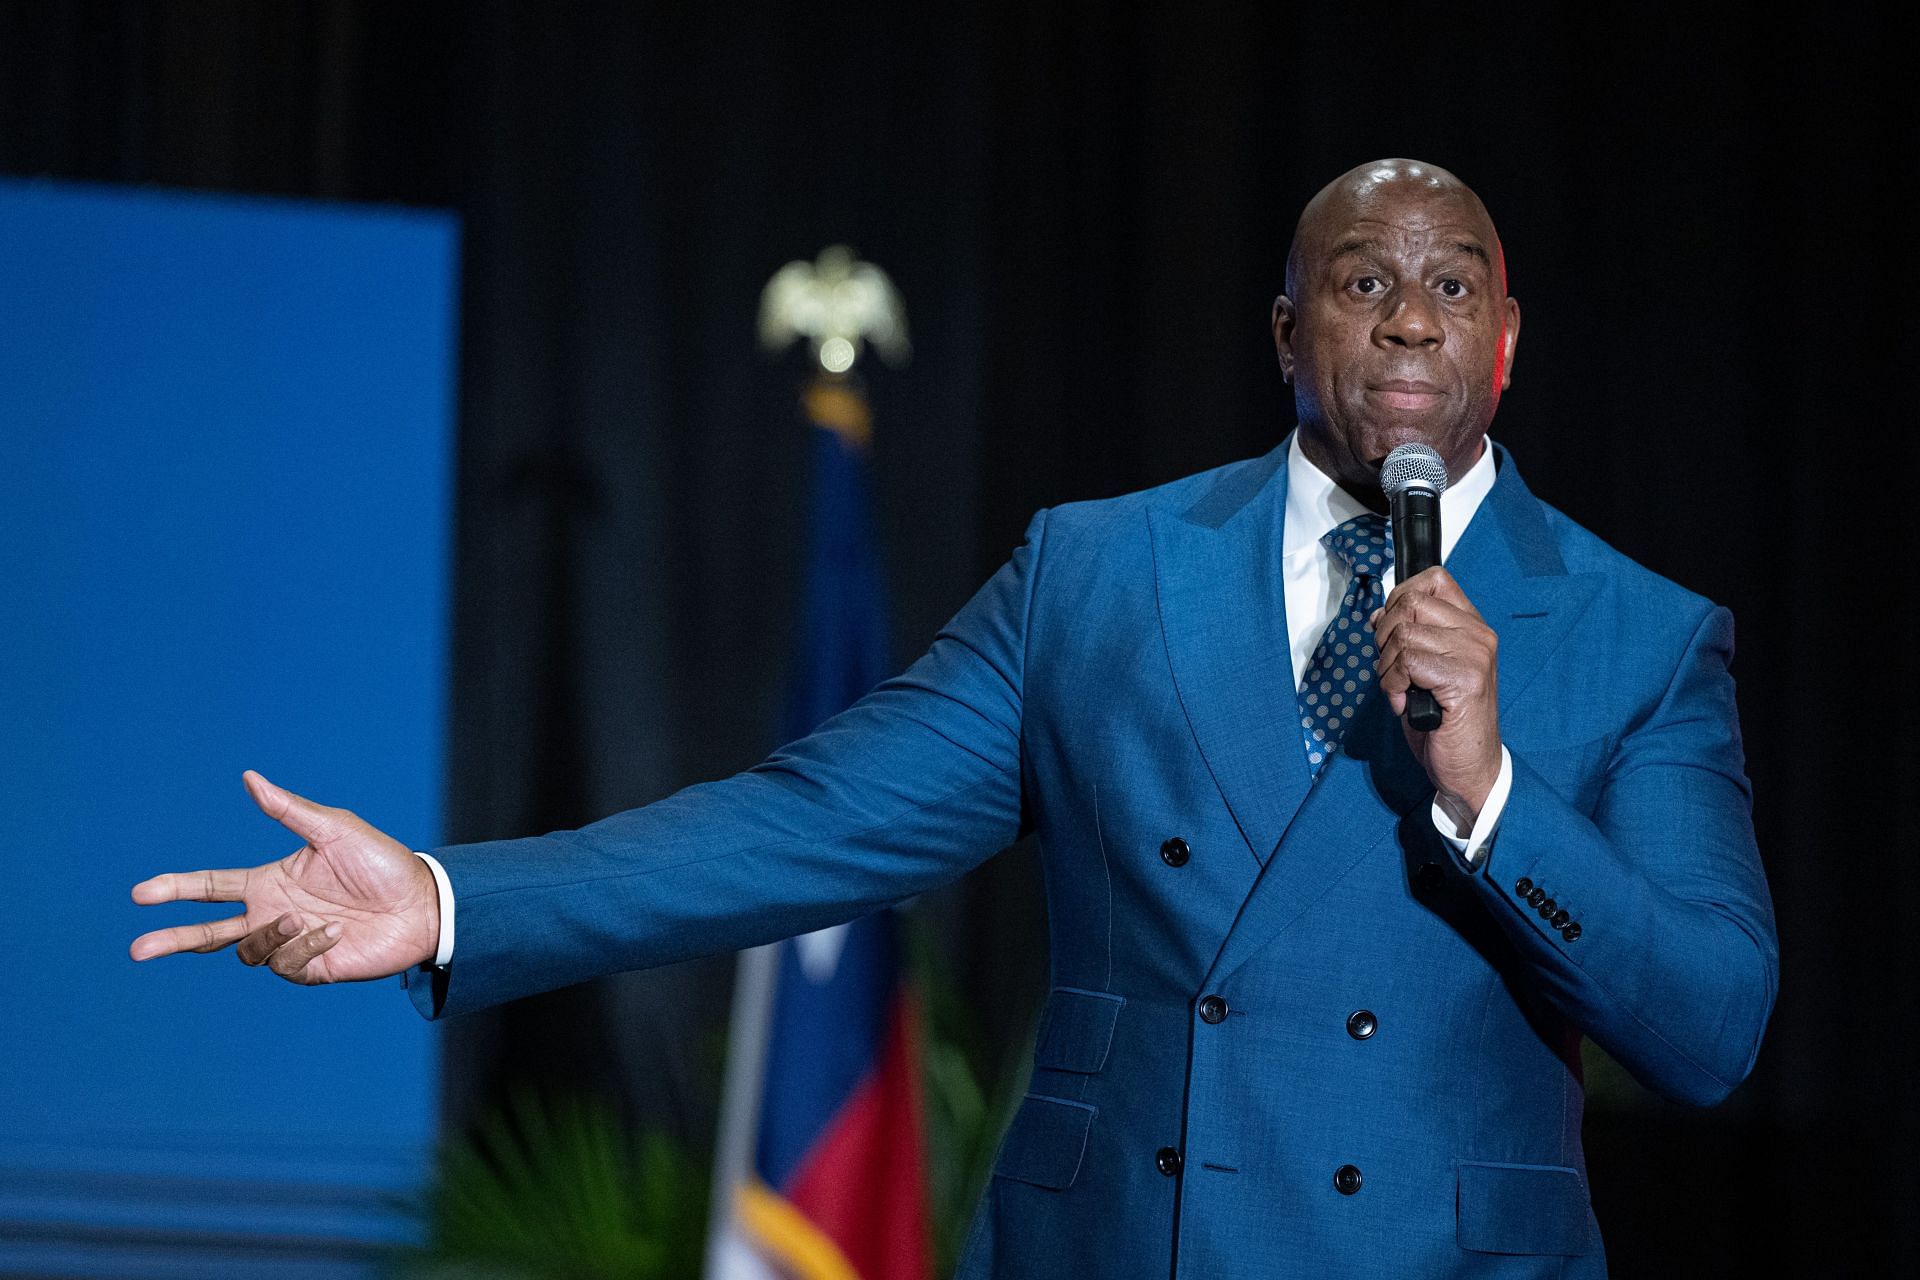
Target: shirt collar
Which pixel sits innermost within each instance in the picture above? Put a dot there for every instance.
(1316, 504)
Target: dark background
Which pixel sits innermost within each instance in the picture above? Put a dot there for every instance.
(1087, 206)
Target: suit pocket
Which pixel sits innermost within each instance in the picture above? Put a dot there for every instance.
(1523, 1208)
(1077, 1030)
(1046, 1142)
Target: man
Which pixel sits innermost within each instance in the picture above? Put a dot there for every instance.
(1319, 980)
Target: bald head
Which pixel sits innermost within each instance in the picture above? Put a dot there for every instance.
(1396, 326)
(1367, 185)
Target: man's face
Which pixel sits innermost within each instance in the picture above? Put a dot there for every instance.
(1399, 328)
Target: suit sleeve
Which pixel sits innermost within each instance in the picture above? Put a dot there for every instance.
(905, 790)
(1666, 954)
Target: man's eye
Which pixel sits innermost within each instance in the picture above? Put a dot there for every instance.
(1367, 284)
(1453, 288)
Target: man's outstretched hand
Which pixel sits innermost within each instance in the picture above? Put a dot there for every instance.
(352, 904)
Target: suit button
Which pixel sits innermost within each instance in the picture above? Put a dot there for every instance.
(1175, 852)
(1538, 896)
(1361, 1023)
(1559, 919)
(1167, 1161)
(1522, 887)
(1571, 932)
(1213, 1010)
(1547, 909)
(1346, 1179)
(1429, 878)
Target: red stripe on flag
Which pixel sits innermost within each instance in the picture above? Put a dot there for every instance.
(864, 1181)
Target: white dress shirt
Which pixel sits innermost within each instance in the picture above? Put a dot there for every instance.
(1316, 581)
(444, 887)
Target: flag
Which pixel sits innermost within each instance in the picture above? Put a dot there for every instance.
(821, 1167)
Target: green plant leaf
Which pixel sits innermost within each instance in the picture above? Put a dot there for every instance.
(559, 1189)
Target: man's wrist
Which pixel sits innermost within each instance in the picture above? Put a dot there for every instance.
(1459, 813)
(1472, 838)
(1463, 808)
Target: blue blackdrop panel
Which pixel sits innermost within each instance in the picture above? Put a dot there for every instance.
(226, 433)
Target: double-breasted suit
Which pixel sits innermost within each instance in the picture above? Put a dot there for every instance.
(1290, 1032)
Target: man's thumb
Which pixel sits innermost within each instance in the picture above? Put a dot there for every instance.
(310, 821)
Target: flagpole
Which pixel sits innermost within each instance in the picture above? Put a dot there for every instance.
(755, 973)
(820, 1165)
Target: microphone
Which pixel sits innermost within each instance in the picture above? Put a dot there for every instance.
(1413, 478)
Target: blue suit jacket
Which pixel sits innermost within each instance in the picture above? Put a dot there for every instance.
(1123, 680)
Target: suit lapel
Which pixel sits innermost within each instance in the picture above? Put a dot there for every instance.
(1509, 565)
(1222, 600)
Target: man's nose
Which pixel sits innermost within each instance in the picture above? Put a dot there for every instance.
(1411, 320)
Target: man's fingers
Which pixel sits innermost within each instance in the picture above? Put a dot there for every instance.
(209, 935)
(1423, 637)
(291, 960)
(1423, 655)
(311, 822)
(193, 886)
(1393, 679)
(1435, 583)
(1406, 637)
(1434, 611)
(1398, 612)
(257, 946)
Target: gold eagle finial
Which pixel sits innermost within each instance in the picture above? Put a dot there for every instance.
(836, 301)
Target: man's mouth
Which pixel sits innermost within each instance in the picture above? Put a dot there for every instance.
(1404, 393)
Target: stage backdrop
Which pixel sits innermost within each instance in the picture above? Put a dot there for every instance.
(225, 455)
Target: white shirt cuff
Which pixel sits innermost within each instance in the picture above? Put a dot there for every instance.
(1473, 849)
(444, 953)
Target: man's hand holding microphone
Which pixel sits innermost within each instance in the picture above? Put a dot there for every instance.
(1437, 659)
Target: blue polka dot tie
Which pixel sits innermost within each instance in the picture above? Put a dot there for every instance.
(1340, 673)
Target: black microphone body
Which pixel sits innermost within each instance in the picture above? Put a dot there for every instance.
(1415, 511)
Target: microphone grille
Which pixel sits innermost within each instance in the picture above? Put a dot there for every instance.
(1413, 466)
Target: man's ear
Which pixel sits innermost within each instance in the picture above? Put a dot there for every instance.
(1284, 319)
(1510, 338)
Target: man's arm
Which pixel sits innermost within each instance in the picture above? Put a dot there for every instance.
(903, 791)
(907, 789)
(1666, 955)
(1647, 924)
